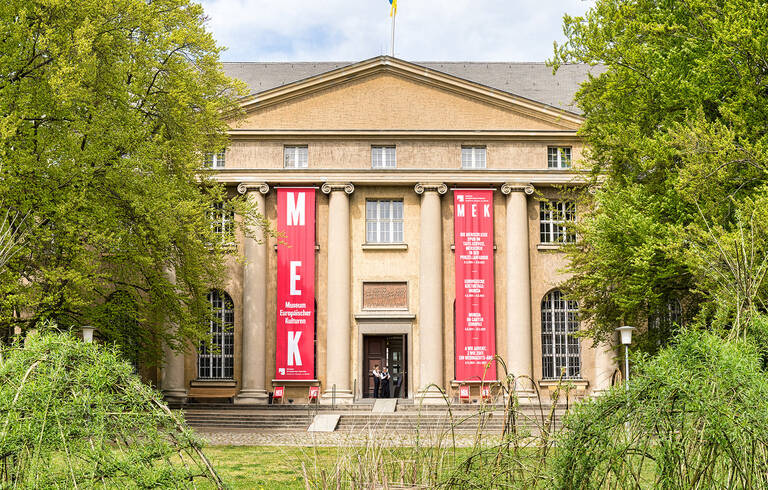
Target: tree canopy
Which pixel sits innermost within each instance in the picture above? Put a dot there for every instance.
(106, 110)
(675, 126)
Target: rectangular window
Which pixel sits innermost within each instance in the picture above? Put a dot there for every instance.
(383, 157)
(214, 160)
(472, 157)
(559, 157)
(295, 156)
(222, 221)
(384, 221)
(554, 218)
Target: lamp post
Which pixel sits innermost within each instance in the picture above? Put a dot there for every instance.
(625, 333)
(87, 333)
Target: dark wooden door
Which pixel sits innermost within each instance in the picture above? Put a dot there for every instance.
(374, 352)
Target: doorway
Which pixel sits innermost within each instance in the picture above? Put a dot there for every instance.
(386, 350)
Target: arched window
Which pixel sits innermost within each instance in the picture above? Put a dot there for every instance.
(560, 349)
(218, 360)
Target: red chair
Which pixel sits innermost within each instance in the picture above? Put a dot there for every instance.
(464, 393)
(485, 392)
(278, 394)
(314, 393)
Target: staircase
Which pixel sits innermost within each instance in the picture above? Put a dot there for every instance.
(407, 418)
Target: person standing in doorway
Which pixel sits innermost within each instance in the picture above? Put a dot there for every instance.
(385, 377)
(376, 380)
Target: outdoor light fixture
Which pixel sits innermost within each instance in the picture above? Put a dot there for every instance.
(626, 338)
(87, 333)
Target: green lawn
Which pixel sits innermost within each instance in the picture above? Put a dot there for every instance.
(267, 467)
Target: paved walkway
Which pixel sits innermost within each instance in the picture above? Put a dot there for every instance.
(263, 437)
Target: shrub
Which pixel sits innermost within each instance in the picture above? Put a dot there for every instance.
(75, 415)
(695, 416)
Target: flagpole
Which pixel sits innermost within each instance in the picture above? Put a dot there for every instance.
(392, 50)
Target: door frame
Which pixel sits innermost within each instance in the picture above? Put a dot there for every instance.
(384, 328)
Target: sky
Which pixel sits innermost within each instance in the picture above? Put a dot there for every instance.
(354, 30)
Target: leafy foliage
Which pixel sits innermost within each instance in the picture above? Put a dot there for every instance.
(106, 110)
(75, 415)
(676, 129)
(695, 416)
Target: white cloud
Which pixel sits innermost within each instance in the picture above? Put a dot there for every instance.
(352, 30)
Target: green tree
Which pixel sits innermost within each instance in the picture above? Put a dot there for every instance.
(106, 110)
(676, 130)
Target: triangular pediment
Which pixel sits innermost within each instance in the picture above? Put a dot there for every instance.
(388, 94)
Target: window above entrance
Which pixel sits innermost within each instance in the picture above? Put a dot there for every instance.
(384, 221)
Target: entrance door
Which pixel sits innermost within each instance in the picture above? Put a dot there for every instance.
(385, 350)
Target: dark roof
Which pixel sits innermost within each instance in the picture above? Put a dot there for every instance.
(533, 81)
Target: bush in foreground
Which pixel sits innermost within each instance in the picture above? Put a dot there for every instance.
(695, 416)
(75, 415)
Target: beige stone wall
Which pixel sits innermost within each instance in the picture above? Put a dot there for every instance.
(385, 101)
(438, 153)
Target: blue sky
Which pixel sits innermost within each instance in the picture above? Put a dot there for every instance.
(352, 30)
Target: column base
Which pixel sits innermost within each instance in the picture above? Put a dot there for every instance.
(251, 397)
(431, 396)
(175, 396)
(341, 397)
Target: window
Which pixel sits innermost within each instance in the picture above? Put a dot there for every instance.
(222, 221)
(559, 157)
(670, 316)
(472, 157)
(295, 156)
(214, 160)
(383, 157)
(553, 218)
(560, 349)
(217, 361)
(384, 221)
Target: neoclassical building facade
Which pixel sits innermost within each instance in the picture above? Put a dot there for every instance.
(365, 168)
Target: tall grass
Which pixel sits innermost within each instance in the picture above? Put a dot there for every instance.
(465, 448)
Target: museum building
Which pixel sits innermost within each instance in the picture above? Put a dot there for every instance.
(421, 210)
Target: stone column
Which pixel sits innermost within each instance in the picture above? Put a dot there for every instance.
(172, 374)
(430, 313)
(518, 299)
(339, 332)
(254, 357)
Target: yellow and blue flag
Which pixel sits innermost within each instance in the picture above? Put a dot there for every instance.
(393, 10)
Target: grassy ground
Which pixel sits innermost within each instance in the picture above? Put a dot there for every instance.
(267, 467)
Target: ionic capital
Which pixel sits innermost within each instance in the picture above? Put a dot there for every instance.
(422, 187)
(243, 188)
(329, 187)
(510, 187)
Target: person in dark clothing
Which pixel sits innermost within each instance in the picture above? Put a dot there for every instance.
(385, 380)
(376, 380)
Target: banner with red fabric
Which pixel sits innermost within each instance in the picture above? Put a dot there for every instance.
(295, 349)
(475, 324)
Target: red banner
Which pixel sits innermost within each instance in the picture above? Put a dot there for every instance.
(295, 351)
(475, 325)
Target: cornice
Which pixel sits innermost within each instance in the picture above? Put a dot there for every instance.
(414, 72)
(343, 177)
(554, 136)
